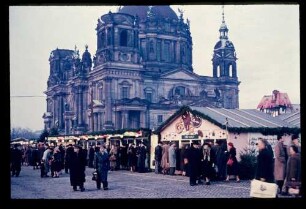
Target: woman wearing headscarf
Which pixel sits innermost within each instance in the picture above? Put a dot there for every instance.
(264, 171)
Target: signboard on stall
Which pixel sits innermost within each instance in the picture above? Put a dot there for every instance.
(190, 136)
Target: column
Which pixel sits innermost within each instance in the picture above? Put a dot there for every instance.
(66, 126)
(108, 104)
(79, 112)
(178, 52)
(125, 117)
(143, 121)
(96, 121)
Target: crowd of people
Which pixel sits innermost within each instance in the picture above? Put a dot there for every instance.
(284, 168)
(200, 163)
(204, 162)
(54, 160)
(219, 162)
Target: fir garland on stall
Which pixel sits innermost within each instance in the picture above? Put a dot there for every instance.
(263, 130)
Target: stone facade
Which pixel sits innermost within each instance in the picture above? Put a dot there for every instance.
(140, 74)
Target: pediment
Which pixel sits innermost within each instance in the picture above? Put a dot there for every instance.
(180, 75)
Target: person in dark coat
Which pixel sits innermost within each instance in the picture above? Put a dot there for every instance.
(194, 164)
(16, 158)
(293, 172)
(102, 166)
(295, 141)
(208, 163)
(77, 164)
(232, 169)
(157, 157)
(220, 160)
(91, 156)
(35, 158)
(264, 171)
(62, 151)
(178, 161)
(132, 159)
(141, 154)
(184, 159)
(56, 162)
(68, 152)
(123, 157)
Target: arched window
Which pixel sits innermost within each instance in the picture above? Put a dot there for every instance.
(180, 90)
(109, 36)
(123, 38)
(166, 52)
(218, 71)
(230, 70)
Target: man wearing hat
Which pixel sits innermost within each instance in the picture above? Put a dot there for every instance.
(157, 157)
(194, 163)
(77, 164)
(102, 166)
(141, 153)
(68, 153)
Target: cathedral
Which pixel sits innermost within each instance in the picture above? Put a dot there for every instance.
(139, 76)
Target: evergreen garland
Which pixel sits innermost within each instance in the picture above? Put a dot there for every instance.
(263, 130)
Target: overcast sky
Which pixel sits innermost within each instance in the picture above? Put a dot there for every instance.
(266, 39)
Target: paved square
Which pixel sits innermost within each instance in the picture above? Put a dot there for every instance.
(122, 184)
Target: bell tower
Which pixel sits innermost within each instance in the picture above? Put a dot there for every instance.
(225, 68)
(224, 58)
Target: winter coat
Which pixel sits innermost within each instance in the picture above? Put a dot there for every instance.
(233, 169)
(221, 159)
(141, 154)
(132, 159)
(158, 153)
(102, 164)
(294, 168)
(194, 161)
(91, 153)
(182, 157)
(207, 163)
(172, 157)
(265, 166)
(77, 163)
(16, 156)
(165, 157)
(280, 161)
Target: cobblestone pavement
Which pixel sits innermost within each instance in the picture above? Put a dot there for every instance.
(122, 184)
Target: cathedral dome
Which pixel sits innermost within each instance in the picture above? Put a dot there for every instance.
(222, 44)
(162, 12)
(140, 11)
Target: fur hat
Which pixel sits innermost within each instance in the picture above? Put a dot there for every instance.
(231, 144)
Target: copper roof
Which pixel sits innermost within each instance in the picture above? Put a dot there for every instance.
(276, 100)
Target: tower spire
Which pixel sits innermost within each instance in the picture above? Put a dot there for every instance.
(223, 21)
(223, 28)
